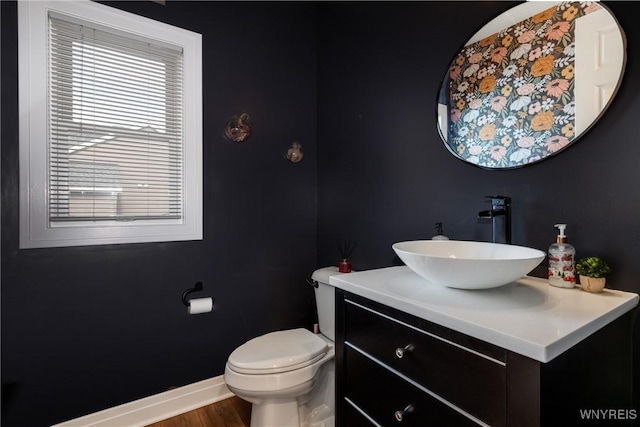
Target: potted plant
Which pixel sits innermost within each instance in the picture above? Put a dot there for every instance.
(593, 272)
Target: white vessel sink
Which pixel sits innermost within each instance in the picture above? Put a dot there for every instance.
(468, 265)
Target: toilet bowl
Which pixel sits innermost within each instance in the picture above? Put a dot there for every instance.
(289, 376)
(280, 384)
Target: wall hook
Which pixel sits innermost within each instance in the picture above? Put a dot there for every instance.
(196, 288)
(295, 153)
(238, 129)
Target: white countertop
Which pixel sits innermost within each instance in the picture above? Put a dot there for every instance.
(528, 316)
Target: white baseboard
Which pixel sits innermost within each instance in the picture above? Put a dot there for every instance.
(149, 410)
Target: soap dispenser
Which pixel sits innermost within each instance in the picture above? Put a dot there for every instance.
(439, 233)
(562, 261)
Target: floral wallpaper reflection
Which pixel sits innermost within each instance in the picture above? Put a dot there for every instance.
(513, 92)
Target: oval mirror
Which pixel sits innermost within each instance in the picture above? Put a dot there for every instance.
(530, 83)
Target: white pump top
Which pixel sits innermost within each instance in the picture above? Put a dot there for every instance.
(562, 238)
(561, 228)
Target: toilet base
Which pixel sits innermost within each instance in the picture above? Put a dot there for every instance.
(285, 413)
(282, 413)
(304, 406)
(319, 417)
(329, 422)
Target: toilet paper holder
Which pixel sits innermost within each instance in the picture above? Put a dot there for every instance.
(198, 287)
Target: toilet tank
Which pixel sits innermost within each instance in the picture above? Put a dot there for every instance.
(325, 301)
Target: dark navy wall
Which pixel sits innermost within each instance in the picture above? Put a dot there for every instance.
(87, 328)
(385, 176)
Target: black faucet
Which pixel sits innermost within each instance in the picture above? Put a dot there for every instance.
(500, 214)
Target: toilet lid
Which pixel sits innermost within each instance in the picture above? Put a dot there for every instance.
(278, 351)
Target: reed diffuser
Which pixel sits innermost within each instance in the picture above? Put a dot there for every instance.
(346, 249)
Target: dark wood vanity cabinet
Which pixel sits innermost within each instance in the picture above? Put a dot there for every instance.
(394, 369)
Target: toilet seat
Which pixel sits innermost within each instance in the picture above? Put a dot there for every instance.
(277, 352)
(275, 385)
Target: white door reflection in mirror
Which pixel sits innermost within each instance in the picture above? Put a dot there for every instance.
(599, 63)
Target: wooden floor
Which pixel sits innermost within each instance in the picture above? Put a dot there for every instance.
(232, 412)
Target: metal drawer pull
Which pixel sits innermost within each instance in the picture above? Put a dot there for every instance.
(401, 351)
(400, 414)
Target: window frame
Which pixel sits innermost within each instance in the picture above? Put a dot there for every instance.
(35, 228)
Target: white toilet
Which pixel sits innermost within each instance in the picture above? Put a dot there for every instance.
(289, 376)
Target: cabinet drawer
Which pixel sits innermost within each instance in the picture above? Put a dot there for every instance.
(374, 390)
(467, 377)
(354, 416)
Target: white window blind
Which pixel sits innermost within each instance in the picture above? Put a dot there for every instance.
(115, 107)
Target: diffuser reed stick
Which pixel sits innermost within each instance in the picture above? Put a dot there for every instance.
(346, 248)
